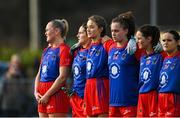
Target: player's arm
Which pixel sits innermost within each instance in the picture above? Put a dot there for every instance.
(36, 84)
(64, 71)
(105, 38)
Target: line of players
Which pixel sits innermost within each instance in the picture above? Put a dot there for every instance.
(122, 76)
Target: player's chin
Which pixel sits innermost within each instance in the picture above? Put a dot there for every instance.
(114, 39)
(48, 40)
(91, 36)
(166, 49)
(140, 46)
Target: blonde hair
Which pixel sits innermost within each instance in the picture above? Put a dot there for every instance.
(63, 25)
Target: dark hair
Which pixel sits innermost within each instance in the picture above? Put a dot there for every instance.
(175, 36)
(100, 21)
(127, 21)
(152, 31)
(174, 33)
(84, 25)
(62, 25)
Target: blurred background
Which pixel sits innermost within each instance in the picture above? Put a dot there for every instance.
(22, 27)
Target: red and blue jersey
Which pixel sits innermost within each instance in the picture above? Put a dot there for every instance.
(150, 66)
(169, 75)
(123, 75)
(52, 59)
(97, 59)
(79, 73)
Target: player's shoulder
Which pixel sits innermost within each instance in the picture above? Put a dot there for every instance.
(46, 49)
(64, 46)
(112, 46)
(107, 44)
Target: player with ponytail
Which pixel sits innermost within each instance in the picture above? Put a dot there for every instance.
(53, 72)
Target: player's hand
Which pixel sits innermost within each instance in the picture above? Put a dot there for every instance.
(131, 46)
(68, 91)
(105, 38)
(74, 48)
(37, 96)
(158, 48)
(44, 99)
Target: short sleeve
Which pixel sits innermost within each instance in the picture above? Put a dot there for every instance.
(139, 53)
(65, 56)
(108, 44)
(164, 54)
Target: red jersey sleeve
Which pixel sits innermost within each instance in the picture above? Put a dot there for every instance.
(65, 56)
(139, 53)
(107, 44)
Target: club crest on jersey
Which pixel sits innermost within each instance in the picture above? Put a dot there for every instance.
(53, 57)
(146, 75)
(115, 56)
(114, 70)
(89, 66)
(148, 62)
(166, 66)
(163, 79)
(77, 71)
(123, 57)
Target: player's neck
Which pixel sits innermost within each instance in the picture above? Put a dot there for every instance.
(149, 51)
(86, 44)
(172, 53)
(96, 39)
(57, 42)
(122, 43)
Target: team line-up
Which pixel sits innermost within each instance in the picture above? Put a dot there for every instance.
(134, 73)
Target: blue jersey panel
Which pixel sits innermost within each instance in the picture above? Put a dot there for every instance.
(96, 64)
(170, 75)
(150, 66)
(49, 70)
(79, 72)
(123, 75)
